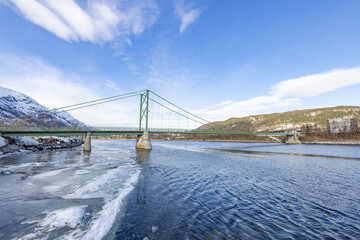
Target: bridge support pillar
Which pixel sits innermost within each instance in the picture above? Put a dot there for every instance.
(292, 139)
(143, 141)
(87, 143)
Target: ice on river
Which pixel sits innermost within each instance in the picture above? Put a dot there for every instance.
(65, 194)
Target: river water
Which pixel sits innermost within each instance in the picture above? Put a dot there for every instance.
(182, 190)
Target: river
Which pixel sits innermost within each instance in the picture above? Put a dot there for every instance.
(182, 190)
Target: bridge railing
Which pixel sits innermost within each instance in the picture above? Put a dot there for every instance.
(134, 129)
(194, 131)
(67, 129)
(113, 129)
(40, 129)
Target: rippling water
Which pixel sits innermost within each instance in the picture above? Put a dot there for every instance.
(182, 190)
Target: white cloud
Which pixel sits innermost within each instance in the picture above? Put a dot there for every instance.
(186, 15)
(225, 103)
(316, 84)
(53, 88)
(111, 84)
(284, 94)
(95, 21)
(40, 15)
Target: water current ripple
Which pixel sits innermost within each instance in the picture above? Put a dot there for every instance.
(197, 191)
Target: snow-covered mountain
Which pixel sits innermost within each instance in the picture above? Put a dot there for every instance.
(21, 110)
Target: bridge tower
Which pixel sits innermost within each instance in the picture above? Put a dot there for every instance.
(291, 137)
(143, 140)
(87, 143)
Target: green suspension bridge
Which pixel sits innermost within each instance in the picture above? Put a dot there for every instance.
(156, 115)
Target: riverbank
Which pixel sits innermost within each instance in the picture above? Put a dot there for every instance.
(331, 139)
(17, 144)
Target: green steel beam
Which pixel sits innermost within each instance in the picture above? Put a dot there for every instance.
(115, 133)
(144, 109)
(141, 102)
(147, 109)
(223, 133)
(108, 133)
(24, 131)
(65, 134)
(42, 134)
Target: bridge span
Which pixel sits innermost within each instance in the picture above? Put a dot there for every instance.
(291, 137)
(143, 131)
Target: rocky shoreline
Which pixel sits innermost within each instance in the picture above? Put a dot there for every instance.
(17, 144)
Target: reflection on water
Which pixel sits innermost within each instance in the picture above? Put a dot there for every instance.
(142, 155)
(86, 156)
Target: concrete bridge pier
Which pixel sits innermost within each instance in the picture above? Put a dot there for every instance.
(87, 143)
(292, 139)
(143, 141)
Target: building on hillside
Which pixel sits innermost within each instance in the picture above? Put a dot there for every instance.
(342, 125)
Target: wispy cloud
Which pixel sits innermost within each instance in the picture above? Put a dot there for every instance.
(95, 21)
(285, 94)
(54, 88)
(186, 14)
(111, 84)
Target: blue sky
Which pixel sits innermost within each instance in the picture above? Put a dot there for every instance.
(219, 59)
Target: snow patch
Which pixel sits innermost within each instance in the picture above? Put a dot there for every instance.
(105, 219)
(28, 141)
(81, 172)
(14, 104)
(68, 217)
(3, 142)
(48, 174)
(96, 184)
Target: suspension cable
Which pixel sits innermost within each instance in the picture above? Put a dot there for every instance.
(175, 111)
(89, 105)
(180, 108)
(113, 98)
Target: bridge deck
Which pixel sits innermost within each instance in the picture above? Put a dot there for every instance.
(21, 131)
(67, 133)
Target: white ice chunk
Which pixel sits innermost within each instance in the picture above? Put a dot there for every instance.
(3, 142)
(67, 217)
(28, 141)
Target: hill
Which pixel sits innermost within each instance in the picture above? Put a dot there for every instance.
(308, 120)
(21, 110)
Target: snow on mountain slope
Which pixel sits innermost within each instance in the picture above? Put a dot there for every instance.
(19, 109)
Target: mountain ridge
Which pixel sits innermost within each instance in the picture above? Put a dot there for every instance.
(309, 120)
(19, 109)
